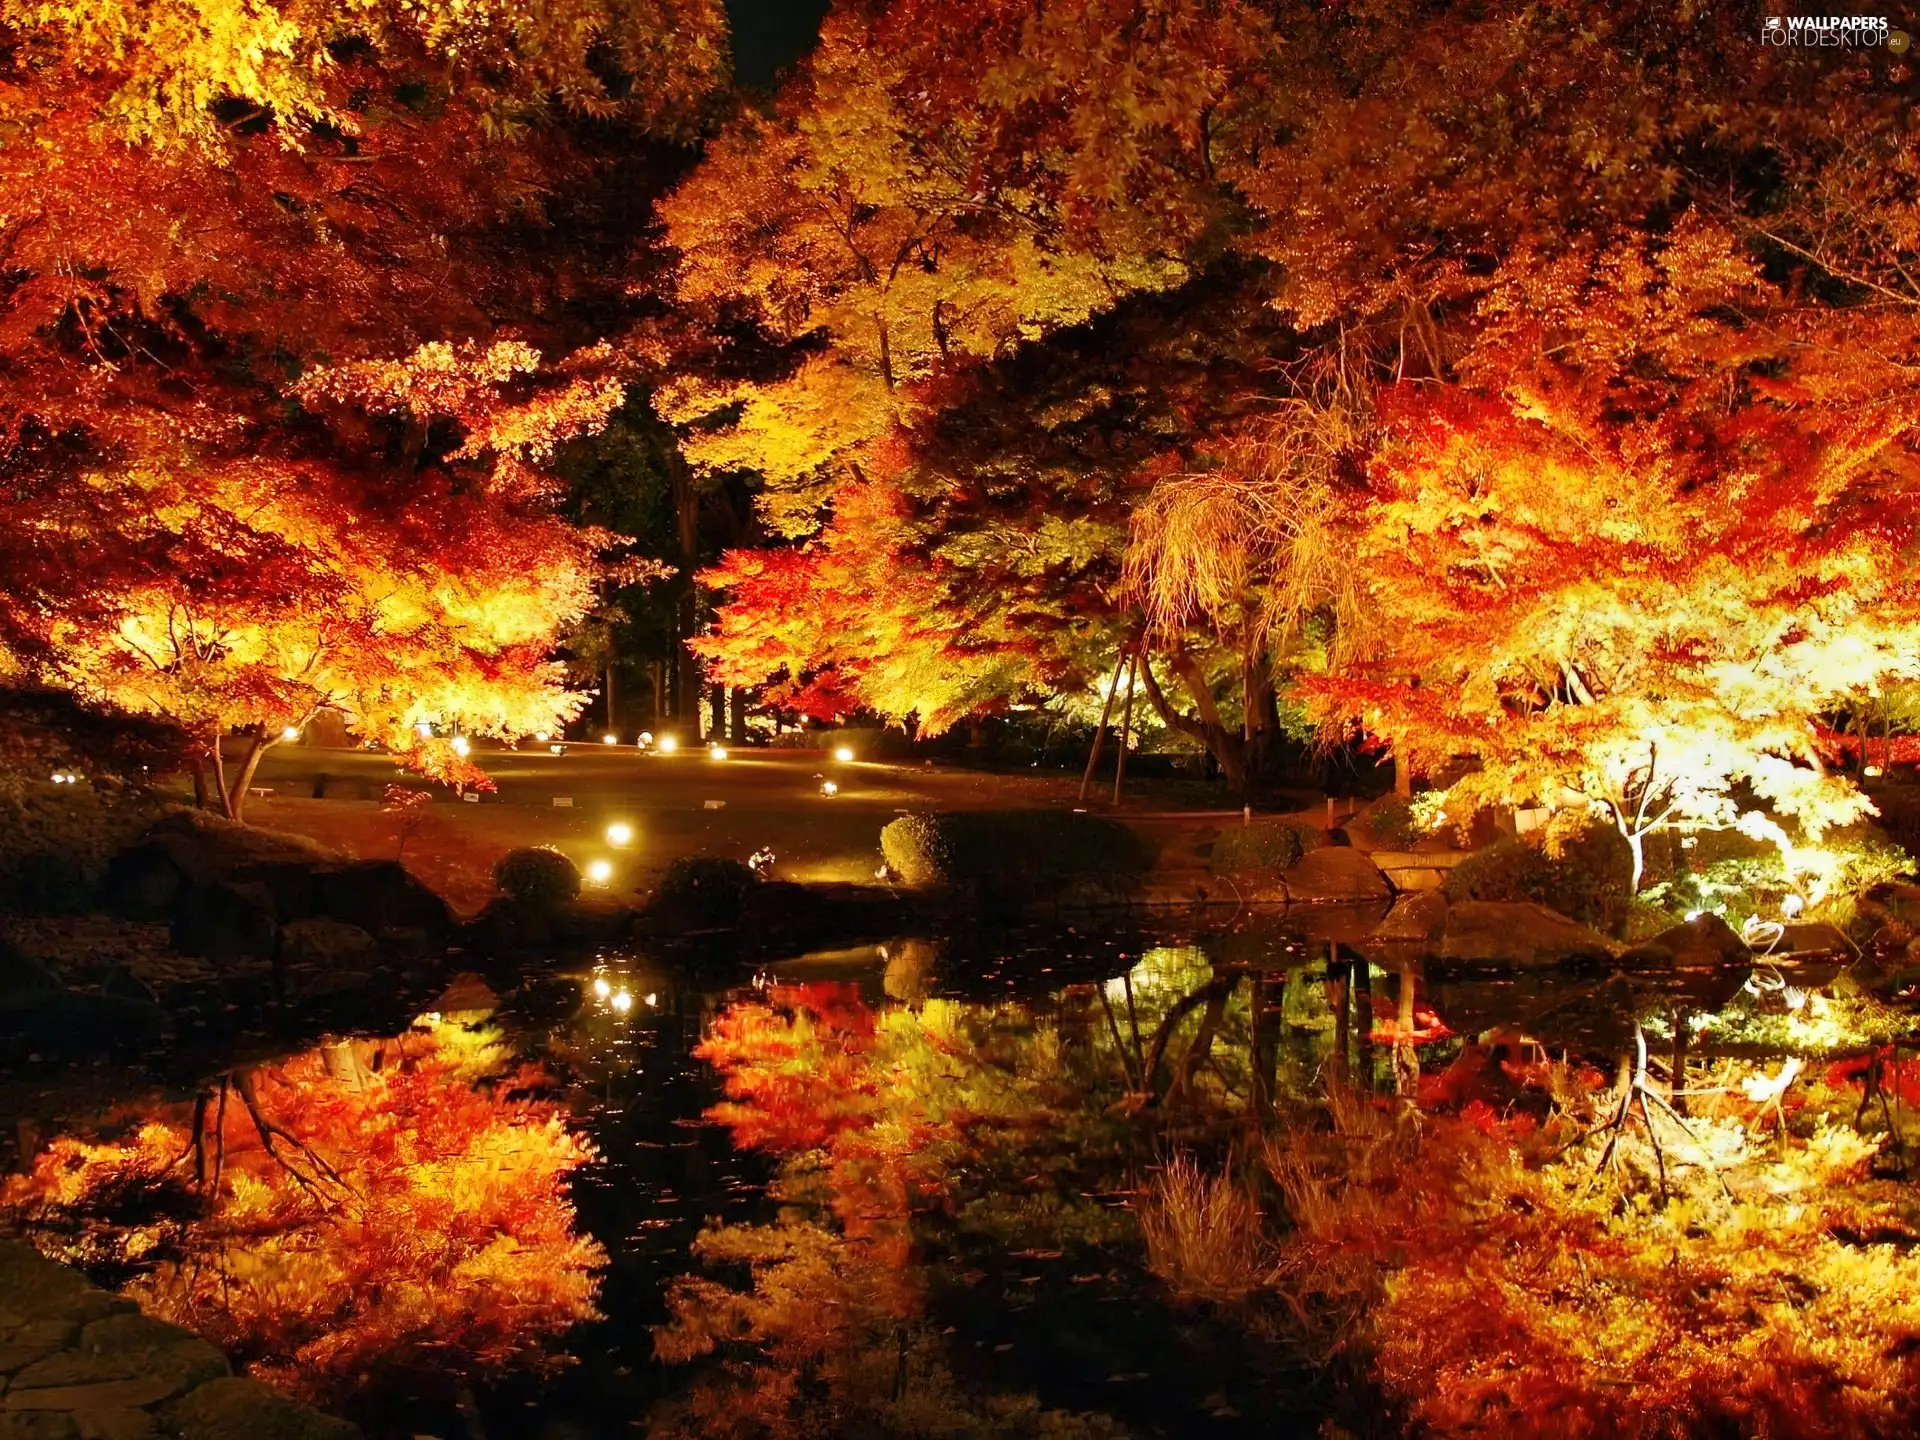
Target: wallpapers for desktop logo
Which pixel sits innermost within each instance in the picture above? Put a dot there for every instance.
(1852, 32)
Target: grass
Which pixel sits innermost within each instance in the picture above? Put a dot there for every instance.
(1205, 1235)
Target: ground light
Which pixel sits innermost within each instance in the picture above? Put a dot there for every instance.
(292, 732)
(619, 833)
(843, 754)
(461, 745)
(600, 871)
(716, 752)
(829, 789)
(609, 739)
(542, 736)
(646, 738)
(668, 744)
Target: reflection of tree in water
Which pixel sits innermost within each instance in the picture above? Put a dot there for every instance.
(398, 1208)
(920, 1140)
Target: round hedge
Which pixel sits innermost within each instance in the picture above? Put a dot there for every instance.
(538, 875)
(1270, 843)
(1010, 850)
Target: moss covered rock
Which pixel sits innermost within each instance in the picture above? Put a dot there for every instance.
(1266, 844)
(1015, 854)
(537, 875)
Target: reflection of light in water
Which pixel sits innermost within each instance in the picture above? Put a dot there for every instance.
(652, 999)
(601, 987)
(622, 1001)
(1165, 970)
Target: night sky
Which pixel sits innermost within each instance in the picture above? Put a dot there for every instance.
(769, 35)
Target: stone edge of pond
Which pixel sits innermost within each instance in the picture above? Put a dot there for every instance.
(80, 1363)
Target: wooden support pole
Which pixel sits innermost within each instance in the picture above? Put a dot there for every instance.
(1126, 727)
(1100, 730)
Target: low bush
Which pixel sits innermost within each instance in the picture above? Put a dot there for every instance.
(1391, 821)
(1010, 850)
(1265, 844)
(1585, 873)
(55, 843)
(538, 875)
(704, 891)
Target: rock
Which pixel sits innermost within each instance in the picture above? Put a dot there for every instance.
(1812, 937)
(1705, 942)
(1334, 873)
(507, 925)
(290, 884)
(1518, 935)
(120, 983)
(38, 1425)
(466, 993)
(99, 1395)
(122, 1348)
(236, 1409)
(326, 944)
(1418, 917)
(225, 921)
(25, 983)
(115, 1424)
(590, 919)
(380, 894)
(144, 882)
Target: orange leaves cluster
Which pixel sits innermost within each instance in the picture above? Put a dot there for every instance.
(451, 1236)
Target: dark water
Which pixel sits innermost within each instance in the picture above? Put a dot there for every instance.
(917, 1217)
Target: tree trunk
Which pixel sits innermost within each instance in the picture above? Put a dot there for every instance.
(717, 718)
(613, 705)
(257, 746)
(1100, 730)
(1402, 776)
(686, 517)
(1223, 745)
(1126, 726)
(198, 769)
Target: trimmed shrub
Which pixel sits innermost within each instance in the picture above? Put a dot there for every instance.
(1390, 820)
(1265, 844)
(1586, 878)
(539, 875)
(1011, 851)
(704, 891)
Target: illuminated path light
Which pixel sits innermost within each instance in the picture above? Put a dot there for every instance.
(668, 744)
(619, 833)
(716, 752)
(609, 739)
(843, 754)
(461, 745)
(600, 871)
(292, 732)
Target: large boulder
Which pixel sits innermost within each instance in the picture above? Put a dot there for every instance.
(1517, 935)
(1703, 943)
(1418, 918)
(1335, 875)
(223, 920)
(144, 882)
(233, 1408)
(507, 925)
(380, 895)
(324, 943)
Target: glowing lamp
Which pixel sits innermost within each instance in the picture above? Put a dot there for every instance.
(556, 749)
(601, 987)
(668, 744)
(619, 833)
(843, 754)
(717, 752)
(424, 730)
(461, 745)
(829, 789)
(622, 1002)
(1792, 906)
(646, 737)
(609, 739)
(292, 732)
(600, 871)
(1872, 771)
(542, 736)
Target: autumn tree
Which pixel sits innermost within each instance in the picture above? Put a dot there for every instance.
(196, 213)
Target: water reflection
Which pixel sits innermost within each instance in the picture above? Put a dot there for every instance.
(1054, 1183)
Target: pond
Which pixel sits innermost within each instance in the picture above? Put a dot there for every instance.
(1014, 1183)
